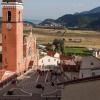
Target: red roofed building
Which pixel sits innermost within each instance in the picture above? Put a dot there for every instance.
(64, 58)
(53, 54)
(68, 63)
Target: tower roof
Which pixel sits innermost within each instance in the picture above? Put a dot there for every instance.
(20, 1)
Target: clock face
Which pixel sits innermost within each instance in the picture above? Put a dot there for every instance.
(9, 26)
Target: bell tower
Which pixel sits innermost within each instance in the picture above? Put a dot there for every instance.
(12, 35)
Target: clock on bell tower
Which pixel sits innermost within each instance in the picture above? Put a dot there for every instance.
(12, 35)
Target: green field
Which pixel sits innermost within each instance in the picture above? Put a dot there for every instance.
(77, 51)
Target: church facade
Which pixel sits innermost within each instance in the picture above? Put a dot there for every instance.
(19, 51)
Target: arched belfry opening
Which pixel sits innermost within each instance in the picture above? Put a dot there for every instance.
(9, 16)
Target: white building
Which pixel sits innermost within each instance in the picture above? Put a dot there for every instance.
(51, 59)
(96, 53)
(90, 67)
(48, 61)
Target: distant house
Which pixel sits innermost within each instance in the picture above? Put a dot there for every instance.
(96, 53)
(68, 60)
(68, 64)
(90, 67)
(53, 54)
(51, 59)
(41, 46)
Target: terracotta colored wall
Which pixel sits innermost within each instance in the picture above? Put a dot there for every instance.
(12, 40)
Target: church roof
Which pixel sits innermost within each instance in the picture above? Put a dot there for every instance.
(20, 1)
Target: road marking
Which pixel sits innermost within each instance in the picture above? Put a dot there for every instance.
(29, 94)
(45, 95)
(57, 80)
(8, 84)
(51, 96)
(24, 75)
(37, 78)
(46, 77)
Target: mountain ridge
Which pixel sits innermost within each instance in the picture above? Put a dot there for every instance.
(87, 19)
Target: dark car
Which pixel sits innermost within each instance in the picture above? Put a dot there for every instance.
(39, 86)
(10, 92)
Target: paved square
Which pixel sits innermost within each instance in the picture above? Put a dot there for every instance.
(26, 86)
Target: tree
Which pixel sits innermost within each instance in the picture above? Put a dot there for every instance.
(49, 46)
(59, 45)
(56, 44)
(62, 42)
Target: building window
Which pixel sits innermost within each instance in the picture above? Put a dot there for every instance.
(57, 62)
(42, 61)
(5, 37)
(9, 16)
(54, 59)
(82, 75)
(48, 60)
(19, 16)
(93, 74)
(30, 51)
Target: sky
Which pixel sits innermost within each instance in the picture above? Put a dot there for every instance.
(42, 9)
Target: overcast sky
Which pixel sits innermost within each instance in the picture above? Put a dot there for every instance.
(42, 9)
